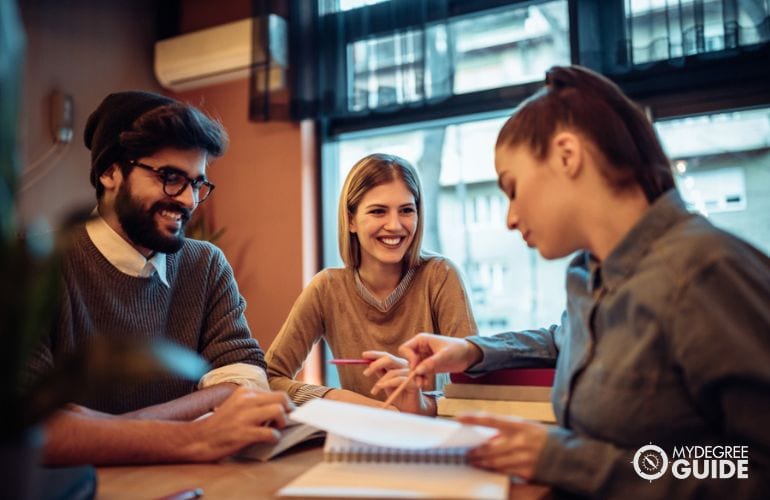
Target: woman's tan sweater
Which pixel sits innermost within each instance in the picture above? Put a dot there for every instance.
(337, 307)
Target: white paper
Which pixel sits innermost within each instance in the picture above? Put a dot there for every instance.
(389, 428)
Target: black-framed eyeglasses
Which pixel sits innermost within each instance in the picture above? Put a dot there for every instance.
(176, 181)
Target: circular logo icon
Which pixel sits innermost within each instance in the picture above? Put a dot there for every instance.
(650, 462)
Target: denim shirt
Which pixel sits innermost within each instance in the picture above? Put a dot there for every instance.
(665, 342)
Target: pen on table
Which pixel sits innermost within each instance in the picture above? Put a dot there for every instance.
(350, 361)
(398, 390)
(188, 494)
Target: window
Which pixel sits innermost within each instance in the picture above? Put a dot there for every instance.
(510, 285)
(435, 88)
(722, 167)
(668, 29)
(331, 6)
(489, 49)
(722, 162)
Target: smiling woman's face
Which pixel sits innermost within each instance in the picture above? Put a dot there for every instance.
(385, 222)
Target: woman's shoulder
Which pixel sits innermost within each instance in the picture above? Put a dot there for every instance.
(331, 278)
(696, 244)
(438, 266)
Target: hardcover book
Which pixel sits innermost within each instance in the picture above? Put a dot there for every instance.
(521, 392)
(541, 411)
(511, 376)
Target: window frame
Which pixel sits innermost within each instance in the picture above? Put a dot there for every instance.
(691, 85)
(698, 83)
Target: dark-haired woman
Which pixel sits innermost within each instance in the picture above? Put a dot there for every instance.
(666, 336)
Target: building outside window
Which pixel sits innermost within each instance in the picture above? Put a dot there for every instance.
(670, 29)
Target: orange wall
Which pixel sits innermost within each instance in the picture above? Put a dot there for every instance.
(261, 192)
(266, 194)
(86, 49)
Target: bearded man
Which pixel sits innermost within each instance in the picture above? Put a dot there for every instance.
(132, 273)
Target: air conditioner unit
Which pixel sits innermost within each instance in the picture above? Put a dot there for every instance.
(221, 54)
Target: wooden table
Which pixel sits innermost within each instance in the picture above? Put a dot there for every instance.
(227, 480)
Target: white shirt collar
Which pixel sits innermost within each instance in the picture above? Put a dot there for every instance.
(121, 254)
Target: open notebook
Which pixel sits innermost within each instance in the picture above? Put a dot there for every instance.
(293, 434)
(372, 453)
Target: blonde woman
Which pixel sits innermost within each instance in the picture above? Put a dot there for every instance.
(387, 292)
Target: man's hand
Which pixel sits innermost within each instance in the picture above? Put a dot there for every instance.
(516, 448)
(244, 418)
(429, 354)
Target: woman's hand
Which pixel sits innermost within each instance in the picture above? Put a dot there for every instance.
(383, 361)
(392, 371)
(516, 448)
(429, 354)
(347, 396)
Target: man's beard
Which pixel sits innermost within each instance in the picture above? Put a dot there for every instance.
(140, 226)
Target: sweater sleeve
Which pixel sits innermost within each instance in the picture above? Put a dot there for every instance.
(226, 338)
(450, 305)
(287, 354)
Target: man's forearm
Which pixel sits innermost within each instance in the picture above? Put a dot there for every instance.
(244, 418)
(75, 438)
(187, 407)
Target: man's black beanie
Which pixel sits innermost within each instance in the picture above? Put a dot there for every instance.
(116, 114)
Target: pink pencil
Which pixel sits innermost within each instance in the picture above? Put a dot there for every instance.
(350, 361)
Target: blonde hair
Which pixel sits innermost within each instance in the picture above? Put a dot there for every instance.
(369, 172)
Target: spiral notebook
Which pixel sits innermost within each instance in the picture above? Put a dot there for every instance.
(372, 453)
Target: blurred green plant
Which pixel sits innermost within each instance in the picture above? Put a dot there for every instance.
(29, 284)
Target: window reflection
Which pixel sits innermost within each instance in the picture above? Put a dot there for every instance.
(722, 164)
(669, 29)
(510, 285)
(722, 167)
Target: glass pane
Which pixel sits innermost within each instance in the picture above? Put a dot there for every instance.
(386, 71)
(667, 29)
(511, 286)
(509, 46)
(722, 166)
(485, 50)
(332, 6)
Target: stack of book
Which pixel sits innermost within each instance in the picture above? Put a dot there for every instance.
(521, 392)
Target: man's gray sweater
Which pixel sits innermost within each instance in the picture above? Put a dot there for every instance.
(202, 310)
